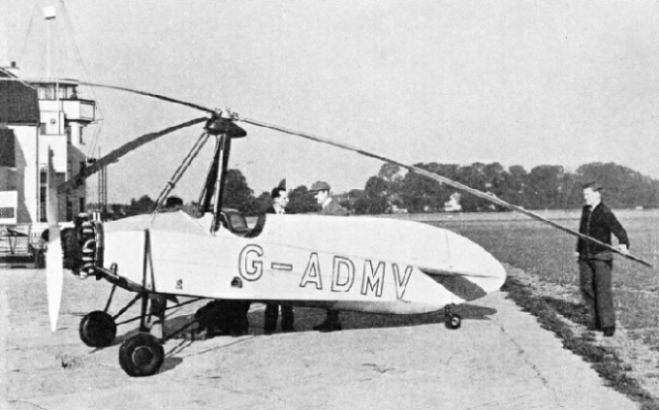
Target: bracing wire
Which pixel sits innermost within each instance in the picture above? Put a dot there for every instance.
(85, 77)
(29, 30)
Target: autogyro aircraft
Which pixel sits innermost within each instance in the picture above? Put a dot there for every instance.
(345, 263)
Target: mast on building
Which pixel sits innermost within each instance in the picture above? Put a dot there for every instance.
(35, 116)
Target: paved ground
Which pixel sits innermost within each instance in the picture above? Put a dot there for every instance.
(499, 359)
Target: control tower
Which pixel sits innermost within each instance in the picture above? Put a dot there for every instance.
(37, 116)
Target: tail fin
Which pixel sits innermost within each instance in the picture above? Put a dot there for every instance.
(54, 258)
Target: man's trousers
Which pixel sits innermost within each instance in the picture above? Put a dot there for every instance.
(595, 285)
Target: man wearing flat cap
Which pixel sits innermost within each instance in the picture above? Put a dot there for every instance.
(596, 261)
(321, 191)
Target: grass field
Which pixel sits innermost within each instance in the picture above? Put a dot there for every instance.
(549, 254)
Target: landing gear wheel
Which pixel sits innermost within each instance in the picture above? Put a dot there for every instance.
(453, 321)
(97, 329)
(141, 355)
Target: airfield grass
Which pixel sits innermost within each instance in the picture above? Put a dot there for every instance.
(547, 256)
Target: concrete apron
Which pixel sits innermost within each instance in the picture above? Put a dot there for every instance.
(503, 360)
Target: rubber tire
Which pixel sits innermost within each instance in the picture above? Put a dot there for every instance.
(453, 321)
(141, 355)
(97, 329)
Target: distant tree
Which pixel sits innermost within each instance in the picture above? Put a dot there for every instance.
(394, 176)
(349, 200)
(624, 187)
(301, 201)
(116, 211)
(376, 194)
(515, 185)
(144, 205)
(390, 172)
(474, 176)
(571, 196)
(420, 193)
(237, 194)
(544, 182)
(261, 203)
(495, 178)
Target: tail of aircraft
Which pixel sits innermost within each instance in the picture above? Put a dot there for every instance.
(54, 258)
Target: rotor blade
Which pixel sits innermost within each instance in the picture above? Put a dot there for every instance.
(54, 259)
(113, 156)
(443, 180)
(152, 95)
(113, 87)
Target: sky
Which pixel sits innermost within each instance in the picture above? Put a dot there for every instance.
(517, 82)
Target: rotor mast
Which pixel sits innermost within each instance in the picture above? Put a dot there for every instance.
(224, 130)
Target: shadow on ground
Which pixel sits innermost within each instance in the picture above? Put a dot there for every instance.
(575, 312)
(307, 318)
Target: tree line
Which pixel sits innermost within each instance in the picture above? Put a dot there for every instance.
(543, 187)
(394, 190)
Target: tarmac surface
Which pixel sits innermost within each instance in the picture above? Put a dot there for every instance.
(499, 359)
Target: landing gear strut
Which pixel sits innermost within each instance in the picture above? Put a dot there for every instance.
(451, 320)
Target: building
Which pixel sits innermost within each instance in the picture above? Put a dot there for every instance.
(37, 116)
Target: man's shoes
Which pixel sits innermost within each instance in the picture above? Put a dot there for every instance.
(609, 331)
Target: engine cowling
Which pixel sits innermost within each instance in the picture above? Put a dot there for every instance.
(82, 246)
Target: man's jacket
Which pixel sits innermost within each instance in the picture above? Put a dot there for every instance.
(599, 224)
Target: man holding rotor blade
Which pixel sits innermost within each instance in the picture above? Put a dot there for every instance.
(596, 261)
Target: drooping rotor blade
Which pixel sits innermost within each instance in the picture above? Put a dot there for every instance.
(54, 259)
(152, 95)
(113, 156)
(443, 180)
(114, 87)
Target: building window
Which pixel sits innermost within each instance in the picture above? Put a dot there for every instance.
(42, 128)
(67, 130)
(82, 205)
(6, 213)
(43, 212)
(46, 92)
(69, 210)
(69, 168)
(61, 92)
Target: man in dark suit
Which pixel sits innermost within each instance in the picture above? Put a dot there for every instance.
(595, 261)
(279, 201)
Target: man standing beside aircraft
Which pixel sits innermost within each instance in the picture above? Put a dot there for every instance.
(595, 261)
(321, 191)
(280, 200)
